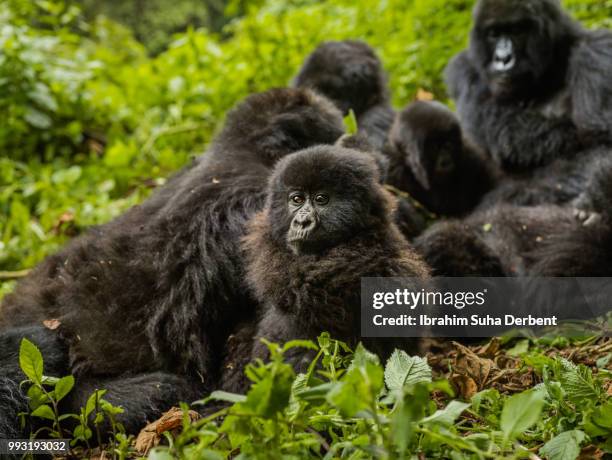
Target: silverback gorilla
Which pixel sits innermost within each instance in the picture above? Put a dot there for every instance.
(155, 292)
(533, 85)
(326, 224)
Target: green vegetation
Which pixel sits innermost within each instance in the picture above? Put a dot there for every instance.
(91, 122)
(348, 405)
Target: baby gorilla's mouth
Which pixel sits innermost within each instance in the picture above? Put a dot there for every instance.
(300, 240)
(296, 235)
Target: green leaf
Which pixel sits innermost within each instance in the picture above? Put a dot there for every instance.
(43, 412)
(91, 401)
(403, 370)
(37, 118)
(522, 346)
(360, 386)
(299, 344)
(63, 387)
(599, 422)
(565, 446)
(31, 361)
(350, 122)
(271, 394)
(409, 410)
(577, 381)
(448, 415)
(520, 412)
(226, 396)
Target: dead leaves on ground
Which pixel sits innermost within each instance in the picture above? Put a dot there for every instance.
(473, 368)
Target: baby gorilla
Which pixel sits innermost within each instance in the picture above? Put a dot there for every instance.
(326, 224)
(430, 159)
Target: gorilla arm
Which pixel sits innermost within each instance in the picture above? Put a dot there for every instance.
(591, 83)
(518, 138)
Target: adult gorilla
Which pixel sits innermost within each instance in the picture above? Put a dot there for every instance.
(144, 303)
(533, 85)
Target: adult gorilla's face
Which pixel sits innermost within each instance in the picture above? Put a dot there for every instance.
(513, 43)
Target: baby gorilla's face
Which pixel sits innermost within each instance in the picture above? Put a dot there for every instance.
(320, 218)
(322, 197)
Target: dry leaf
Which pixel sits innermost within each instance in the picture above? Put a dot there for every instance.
(151, 435)
(52, 324)
(466, 386)
(471, 365)
(423, 95)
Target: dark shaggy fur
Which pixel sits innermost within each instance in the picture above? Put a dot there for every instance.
(533, 85)
(350, 74)
(585, 185)
(430, 159)
(157, 291)
(504, 240)
(312, 284)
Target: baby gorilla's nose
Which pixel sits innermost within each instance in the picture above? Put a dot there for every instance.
(303, 222)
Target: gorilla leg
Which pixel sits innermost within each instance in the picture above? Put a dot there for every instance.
(143, 397)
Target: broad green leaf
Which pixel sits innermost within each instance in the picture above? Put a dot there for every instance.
(565, 446)
(448, 415)
(63, 387)
(520, 412)
(577, 381)
(599, 422)
(404, 370)
(31, 361)
(44, 412)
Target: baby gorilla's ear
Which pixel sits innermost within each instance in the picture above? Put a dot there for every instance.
(361, 143)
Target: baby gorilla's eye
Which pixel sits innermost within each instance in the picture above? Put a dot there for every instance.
(321, 199)
(297, 199)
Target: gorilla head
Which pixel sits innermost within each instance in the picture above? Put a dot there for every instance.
(348, 72)
(324, 196)
(516, 42)
(429, 137)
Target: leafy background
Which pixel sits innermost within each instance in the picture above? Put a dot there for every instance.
(93, 119)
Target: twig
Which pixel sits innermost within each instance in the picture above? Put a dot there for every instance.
(8, 275)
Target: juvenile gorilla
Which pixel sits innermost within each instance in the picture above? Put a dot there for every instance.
(533, 85)
(351, 75)
(154, 293)
(430, 159)
(326, 224)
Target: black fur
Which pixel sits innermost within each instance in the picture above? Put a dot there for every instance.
(312, 284)
(583, 184)
(350, 74)
(554, 101)
(506, 240)
(430, 159)
(155, 293)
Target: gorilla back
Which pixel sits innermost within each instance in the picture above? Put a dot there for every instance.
(159, 287)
